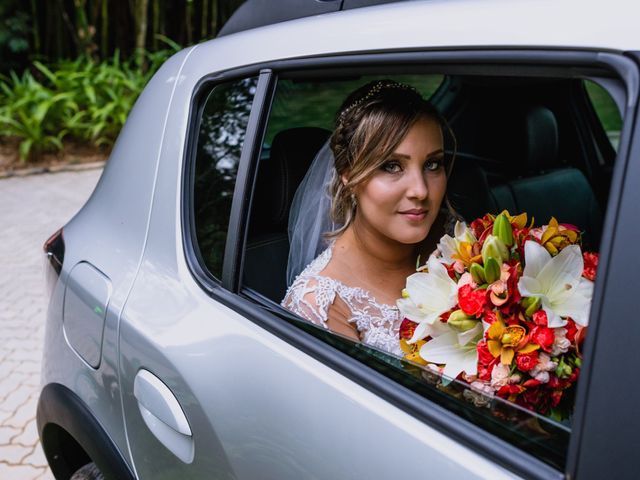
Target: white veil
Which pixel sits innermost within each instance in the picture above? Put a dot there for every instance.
(310, 216)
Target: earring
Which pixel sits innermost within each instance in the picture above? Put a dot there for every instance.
(353, 200)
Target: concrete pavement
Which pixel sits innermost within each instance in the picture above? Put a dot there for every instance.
(31, 209)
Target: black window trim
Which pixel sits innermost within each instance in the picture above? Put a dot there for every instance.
(437, 417)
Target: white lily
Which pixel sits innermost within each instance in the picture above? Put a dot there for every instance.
(448, 245)
(428, 295)
(557, 282)
(457, 351)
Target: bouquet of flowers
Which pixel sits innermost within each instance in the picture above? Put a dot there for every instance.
(503, 307)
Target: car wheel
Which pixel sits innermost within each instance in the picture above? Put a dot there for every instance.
(88, 472)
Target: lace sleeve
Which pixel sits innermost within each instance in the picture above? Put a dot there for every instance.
(310, 297)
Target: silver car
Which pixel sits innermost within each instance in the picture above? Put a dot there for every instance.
(167, 353)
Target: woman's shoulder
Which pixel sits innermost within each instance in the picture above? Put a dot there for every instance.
(311, 293)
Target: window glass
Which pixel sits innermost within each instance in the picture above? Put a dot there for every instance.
(220, 138)
(314, 104)
(607, 111)
(505, 160)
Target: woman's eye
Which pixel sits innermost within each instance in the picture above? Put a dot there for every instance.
(434, 165)
(391, 167)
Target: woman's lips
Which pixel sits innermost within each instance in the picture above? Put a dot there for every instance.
(414, 214)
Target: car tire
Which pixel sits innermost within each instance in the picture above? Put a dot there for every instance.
(90, 471)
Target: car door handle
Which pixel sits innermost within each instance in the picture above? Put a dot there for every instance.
(163, 415)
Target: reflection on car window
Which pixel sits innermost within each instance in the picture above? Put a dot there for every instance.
(314, 104)
(222, 129)
(607, 111)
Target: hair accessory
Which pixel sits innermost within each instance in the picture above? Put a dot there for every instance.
(376, 88)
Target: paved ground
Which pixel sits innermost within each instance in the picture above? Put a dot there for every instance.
(31, 209)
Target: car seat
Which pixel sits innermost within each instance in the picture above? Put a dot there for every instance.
(267, 251)
(541, 186)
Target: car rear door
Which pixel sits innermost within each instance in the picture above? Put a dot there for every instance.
(212, 386)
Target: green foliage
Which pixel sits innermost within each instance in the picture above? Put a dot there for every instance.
(80, 100)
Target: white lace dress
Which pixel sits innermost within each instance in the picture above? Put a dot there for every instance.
(311, 295)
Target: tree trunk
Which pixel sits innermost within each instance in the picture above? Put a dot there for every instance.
(204, 24)
(140, 18)
(104, 34)
(85, 31)
(189, 21)
(36, 29)
(214, 18)
(155, 8)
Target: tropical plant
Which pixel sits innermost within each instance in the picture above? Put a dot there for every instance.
(81, 100)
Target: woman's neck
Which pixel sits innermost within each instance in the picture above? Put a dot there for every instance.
(376, 253)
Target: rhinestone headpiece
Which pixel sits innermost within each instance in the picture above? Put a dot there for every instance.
(375, 89)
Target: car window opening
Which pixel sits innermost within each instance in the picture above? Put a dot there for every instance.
(520, 147)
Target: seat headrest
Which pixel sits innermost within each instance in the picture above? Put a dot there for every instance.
(292, 152)
(540, 139)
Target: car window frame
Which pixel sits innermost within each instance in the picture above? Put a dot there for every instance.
(265, 314)
(198, 100)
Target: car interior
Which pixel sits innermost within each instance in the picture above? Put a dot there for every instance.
(525, 144)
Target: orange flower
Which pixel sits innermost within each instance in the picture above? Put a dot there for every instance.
(504, 341)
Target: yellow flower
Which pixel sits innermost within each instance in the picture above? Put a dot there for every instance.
(468, 253)
(504, 341)
(556, 237)
(519, 221)
(412, 351)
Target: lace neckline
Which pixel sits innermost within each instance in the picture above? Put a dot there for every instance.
(321, 262)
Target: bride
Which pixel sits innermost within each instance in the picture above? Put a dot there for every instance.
(383, 179)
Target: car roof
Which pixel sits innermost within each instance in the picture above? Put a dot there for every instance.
(420, 24)
(258, 13)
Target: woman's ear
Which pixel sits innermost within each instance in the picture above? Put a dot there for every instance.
(344, 179)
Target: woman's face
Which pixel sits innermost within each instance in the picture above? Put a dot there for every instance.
(402, 198)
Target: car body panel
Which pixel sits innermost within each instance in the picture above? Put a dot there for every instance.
(109, 232)
(428, 24)
(85, 305)
(269, 412)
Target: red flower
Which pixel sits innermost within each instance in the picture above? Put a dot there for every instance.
(543, 336)
(489, 316)
(471, 301)
(526, 361)
(574, 375)
(554, 382)
(508, 390)
(444, 318)
(540, 318)
(534, 399)
(480, 225)
(484, 373)
(556, 396)
(484, 355)
(407, 327)
(571, 330)
(532, 382)
(590, 265)
(451, 272)
(512, 320)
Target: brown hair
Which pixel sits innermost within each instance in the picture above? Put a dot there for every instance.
(370, 125)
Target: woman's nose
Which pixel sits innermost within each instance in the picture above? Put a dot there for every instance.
(417, 187)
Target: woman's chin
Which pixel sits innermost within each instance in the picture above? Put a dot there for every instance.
(413, 237)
